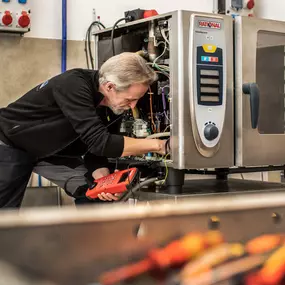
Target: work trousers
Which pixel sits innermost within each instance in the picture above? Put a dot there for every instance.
(16, 167)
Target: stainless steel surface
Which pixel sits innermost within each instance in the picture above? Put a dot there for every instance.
(13, 276)
(253, 147)
(41, 197)
(73, 247)
(212, 188)
(133, 23)
(184, 151)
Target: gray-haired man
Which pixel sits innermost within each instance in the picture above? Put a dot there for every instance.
(54, 125)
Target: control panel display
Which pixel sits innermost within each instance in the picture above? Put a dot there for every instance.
(209, 74)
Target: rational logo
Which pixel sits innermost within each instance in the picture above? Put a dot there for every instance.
(210, 25)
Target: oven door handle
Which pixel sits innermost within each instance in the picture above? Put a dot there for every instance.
(252, 90)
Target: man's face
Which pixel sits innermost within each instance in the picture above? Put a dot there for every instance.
(121, 101)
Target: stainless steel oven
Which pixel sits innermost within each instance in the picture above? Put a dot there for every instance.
(202, 109)
(226, 85)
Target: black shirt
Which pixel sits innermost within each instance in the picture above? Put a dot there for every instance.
(60, 113)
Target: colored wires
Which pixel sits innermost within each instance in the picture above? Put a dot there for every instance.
(151, 110)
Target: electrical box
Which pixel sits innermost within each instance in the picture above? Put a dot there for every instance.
(239, 7)
(15, 16)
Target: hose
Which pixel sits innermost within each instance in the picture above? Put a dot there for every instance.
(113, 30)
(158, 135)
(129, 193)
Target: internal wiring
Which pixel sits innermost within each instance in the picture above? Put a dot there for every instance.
(162, 32)
(167, 75)
(158, 135)
(166, 168)
(164, 50)
(151, 111)
(164, 103)
(166, 128)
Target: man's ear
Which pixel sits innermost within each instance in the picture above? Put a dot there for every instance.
(110, 86)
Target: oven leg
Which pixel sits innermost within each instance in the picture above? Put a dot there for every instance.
(175, 181)
(222, 174)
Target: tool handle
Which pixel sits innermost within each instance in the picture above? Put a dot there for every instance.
(252, 90)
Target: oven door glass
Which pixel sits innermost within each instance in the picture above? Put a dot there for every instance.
(270, 79)
(260, 116)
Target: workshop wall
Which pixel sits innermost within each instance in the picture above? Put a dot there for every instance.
(270, 9)
(46, 15)
(26, 62)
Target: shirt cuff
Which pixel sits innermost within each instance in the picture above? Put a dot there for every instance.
(114, 146)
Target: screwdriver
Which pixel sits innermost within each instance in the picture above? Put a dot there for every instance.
(175, 253)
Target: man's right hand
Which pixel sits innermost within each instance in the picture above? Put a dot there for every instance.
(164, 147)
(134, 146)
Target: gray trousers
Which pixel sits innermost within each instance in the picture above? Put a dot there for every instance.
(16, 167)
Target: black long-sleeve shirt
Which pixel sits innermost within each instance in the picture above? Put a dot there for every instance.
(60, 113)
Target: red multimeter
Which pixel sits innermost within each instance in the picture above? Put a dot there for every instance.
(117, 182)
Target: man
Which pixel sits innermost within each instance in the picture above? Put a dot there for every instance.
(54, 125)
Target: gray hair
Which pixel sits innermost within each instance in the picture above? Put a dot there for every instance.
(125, 69)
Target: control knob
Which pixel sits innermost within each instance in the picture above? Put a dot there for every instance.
(211, 132)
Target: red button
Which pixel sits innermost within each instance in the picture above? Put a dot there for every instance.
(24, 20)
(250, 4)
(150, 13)
(7, 18)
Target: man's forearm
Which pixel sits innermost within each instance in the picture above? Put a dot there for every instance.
(141, 146)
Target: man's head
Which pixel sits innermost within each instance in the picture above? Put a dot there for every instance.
(123, 80)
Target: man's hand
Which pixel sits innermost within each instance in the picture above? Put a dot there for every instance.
(101, 172)
(164, 147)
(134, 146)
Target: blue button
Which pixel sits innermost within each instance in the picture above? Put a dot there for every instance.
(205, 58)
(22, 1)
(6, 1)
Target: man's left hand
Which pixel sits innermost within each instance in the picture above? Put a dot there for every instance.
(101, 172)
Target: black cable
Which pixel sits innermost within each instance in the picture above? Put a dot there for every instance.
(88, 51)
(126, 195)
(85, 49)
(113, 30)
(167, 146)
(66, 182)
(139, 179)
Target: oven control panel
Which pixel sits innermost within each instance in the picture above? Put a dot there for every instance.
(208, 55)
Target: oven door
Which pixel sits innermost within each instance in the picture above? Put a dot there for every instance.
(259, 96)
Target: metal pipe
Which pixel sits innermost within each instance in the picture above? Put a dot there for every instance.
(64, 36)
